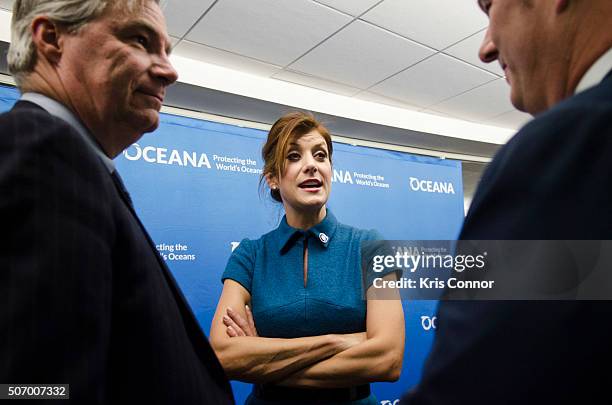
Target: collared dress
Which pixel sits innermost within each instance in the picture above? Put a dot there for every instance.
(330, 302)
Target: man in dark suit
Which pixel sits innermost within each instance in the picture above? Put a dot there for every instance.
(550, 182)
(85, 299)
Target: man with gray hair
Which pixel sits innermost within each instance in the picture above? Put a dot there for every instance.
(549, 182)
(85, 299)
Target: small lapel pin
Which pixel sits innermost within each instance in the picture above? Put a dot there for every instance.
(323, 238)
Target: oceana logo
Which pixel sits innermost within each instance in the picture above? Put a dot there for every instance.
(152, 154)
(430, 186)
(429, 322)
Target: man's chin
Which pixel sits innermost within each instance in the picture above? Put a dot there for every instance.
(152, 128)
(149, 121)
(516, 99)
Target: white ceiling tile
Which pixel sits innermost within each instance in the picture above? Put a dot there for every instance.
(182, 14)
(316, 82)
(433, 80)
(438, 113)
(174, 41)
(6, 4)
(467, 50)
(223, 58)
(479, 104)
(274, 31)
(352, 7)
(438, 23)
(513, 119)
(377, 98)
(361, 55)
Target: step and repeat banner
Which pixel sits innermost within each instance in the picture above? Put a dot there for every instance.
(195, 185)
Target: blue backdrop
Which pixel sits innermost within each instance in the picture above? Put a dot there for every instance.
(195, 185)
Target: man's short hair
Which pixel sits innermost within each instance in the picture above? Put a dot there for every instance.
(70, 14)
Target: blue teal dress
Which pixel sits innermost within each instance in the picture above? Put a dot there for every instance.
(332, 301)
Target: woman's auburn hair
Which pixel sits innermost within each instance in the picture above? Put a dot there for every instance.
(286, 129)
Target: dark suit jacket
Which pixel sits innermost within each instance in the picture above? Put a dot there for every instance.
(551, 181)
(85, 299)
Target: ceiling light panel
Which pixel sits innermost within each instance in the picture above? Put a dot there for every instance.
(352, 7)
(272, 31)
(433, 80)
(316, 83)
(377, 98)
(182, 14)
(6, 4)
(361, 55)
(223, 58)
(480, 104)
(514, 119)
(467, 50)
(438, 23)
(174, 41)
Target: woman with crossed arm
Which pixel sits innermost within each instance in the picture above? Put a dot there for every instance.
(311, 336)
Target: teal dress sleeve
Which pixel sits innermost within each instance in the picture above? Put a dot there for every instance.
(241, 264)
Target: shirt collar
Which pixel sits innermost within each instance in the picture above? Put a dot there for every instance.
(596, 72)
(322, 232)
(60, 111)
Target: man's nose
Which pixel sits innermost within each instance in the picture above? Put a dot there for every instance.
(164, 71)
(488, 50)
